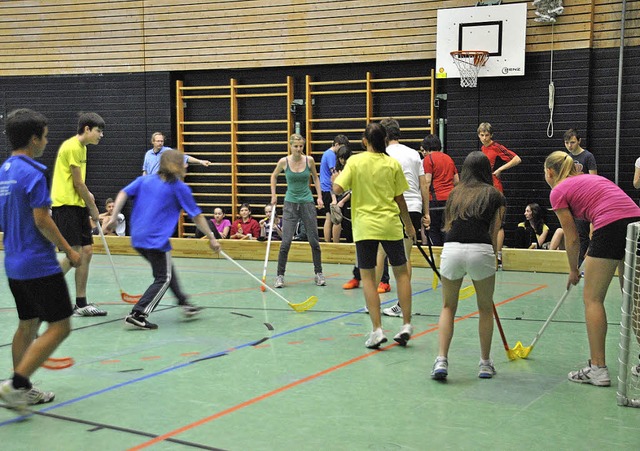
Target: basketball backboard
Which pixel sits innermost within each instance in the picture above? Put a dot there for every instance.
(501, 30)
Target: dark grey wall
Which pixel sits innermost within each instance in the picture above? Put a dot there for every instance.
(132, 105)
(517, 107)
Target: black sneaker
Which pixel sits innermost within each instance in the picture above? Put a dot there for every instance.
(139, 320)
(190, 310)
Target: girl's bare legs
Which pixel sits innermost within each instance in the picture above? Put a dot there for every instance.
(371, 296)
(598, 273)
(403, 282)
(450, 294)
(484, 295)
(408, 245)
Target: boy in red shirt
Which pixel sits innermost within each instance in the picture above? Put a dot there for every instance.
(497, 153)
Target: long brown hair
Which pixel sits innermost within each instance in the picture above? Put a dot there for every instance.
(471, 197)
(171, 165)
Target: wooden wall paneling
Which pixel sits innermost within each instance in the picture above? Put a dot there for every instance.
(135, 36)
(78, 37)
(607, 27)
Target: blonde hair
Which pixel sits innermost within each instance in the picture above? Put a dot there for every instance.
(296, 137)
(485, 127)
(156, 134)
(562, 164)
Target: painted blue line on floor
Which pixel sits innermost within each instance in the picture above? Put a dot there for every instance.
(183, 365)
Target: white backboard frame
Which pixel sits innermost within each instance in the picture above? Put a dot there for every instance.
(500, 29)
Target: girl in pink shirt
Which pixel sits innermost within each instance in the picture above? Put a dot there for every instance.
(601, 202)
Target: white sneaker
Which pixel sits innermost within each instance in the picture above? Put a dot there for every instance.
(279, 283)
(403, 337)
(365, 309)
(376, 338)
(393, 311)
(88, 310)
(591, 374)
(636, 370)
(486, 369)
(440, 369)
(320, 280)
(190, 310)
(37, 396)
(15, 398)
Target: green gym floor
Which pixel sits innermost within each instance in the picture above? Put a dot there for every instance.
(250, 373)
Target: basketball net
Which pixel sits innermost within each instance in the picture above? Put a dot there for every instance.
(469, 63)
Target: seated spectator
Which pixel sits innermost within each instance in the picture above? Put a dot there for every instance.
(245, 227)
(534, 232)
(106, 217)
(219, 224)
(264, 225)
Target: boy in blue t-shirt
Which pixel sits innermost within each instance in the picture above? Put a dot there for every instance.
(158, 200)
(35, 277)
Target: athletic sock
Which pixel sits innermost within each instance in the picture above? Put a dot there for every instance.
(19, 381)
(81, 302)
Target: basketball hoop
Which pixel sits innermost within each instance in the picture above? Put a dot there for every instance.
(469, 63)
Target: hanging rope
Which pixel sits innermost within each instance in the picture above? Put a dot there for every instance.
(552, 91)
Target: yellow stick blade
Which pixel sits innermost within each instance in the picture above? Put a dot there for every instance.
(434, 284)
(306, 305)
(512, 355)
(523, 351)
(466, 292)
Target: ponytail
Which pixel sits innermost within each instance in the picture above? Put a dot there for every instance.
(562, 164)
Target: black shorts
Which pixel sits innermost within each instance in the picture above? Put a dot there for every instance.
(367, 253)
(326, 198)
(610, 241)
(46, 298)
(74, 224)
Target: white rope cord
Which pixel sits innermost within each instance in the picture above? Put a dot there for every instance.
(552, 90)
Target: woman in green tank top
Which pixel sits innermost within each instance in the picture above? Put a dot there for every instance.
(298, 206)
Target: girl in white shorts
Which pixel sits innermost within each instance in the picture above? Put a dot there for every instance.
(473, 215)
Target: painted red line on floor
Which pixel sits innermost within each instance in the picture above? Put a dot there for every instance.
(261, 346)
(151, 357)
(304, 380)
(187, 354)
(105, 362)
(327, 339)
(295, 342)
